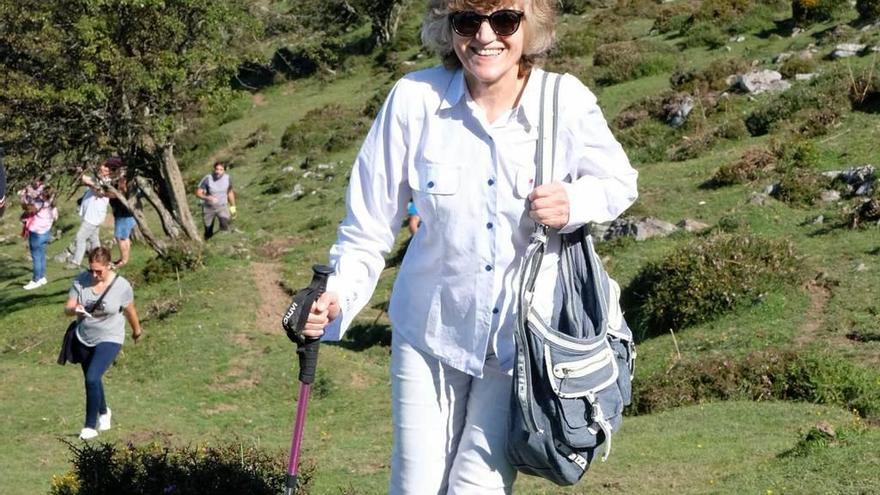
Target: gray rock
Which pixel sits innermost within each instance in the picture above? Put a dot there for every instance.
(858, 180)
(678, 111)
(640, 228)
(861, 267)
(782, 57)
(830, 196)
(288, 169)
(737, 39)
(770, 189)
(804, 77)
(297, 192)
(761, 81)
(819, 220)
(691, 225)
(758, 199)
(844, 50)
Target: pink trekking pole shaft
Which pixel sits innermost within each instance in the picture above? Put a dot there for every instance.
(307, 350)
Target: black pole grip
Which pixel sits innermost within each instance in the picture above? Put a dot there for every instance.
(295, 318)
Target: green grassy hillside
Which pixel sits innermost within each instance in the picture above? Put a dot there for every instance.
(214, 366)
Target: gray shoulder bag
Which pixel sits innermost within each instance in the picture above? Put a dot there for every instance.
(573, 374)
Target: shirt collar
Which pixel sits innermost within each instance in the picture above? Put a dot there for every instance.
(528, 110)
(529, 103)
(454, 92)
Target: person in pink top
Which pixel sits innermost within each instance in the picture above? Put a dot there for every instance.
(42, 213)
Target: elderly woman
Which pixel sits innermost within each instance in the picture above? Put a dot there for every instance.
(102, 300)
(460, 139)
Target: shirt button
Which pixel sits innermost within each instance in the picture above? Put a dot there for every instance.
(491, 181)
(489, 225)
(488, 268)
(431, 184)
(495, 311)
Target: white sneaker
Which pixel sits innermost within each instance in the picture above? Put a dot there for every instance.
(42, 282)
(88, 433)
(33, 284)
(104, 421)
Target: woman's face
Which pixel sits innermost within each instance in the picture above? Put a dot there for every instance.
(100, 271)
(487, 57)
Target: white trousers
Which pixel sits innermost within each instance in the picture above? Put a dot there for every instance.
(450, 429)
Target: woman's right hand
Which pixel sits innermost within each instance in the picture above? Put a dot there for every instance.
(323, 311)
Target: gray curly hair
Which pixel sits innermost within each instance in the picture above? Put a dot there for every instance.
(539, 25)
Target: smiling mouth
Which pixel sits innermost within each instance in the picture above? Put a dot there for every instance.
(488, 52)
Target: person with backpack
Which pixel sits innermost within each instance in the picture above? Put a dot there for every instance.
(218, 199)
(461, 140)
(41, 214)
(102, 301)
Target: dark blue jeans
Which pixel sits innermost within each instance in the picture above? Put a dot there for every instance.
(94, 362)
(37, 244)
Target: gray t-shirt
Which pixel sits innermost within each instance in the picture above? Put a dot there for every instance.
(218, 188)
(107, 323)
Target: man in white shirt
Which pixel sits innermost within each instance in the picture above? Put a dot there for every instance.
(92, 211)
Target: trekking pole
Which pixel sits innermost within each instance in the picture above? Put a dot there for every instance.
(307, 349)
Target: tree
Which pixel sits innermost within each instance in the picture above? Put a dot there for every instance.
(335, 16)
(86, 78)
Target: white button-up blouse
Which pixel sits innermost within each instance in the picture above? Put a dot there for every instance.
(455, 293)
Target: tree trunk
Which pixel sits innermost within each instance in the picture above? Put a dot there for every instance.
(174, 180)
(169, 223)
(386, 22)
(157, 245)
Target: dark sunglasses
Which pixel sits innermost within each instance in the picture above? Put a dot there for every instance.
(503, 22)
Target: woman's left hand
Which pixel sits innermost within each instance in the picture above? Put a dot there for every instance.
(136, 335)
(549, 205)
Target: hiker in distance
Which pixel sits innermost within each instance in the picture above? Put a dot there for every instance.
(460, 139)
(218, 199)
(102, 301)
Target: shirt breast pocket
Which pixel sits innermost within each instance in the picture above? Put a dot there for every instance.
(433, 178)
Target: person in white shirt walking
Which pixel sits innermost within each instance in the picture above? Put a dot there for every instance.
(461, 141)
(92, 212)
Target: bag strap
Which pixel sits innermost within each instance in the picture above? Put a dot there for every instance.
(101, 297)
(535, 251)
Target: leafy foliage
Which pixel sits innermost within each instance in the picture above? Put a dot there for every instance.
(104, 468)
(752, 165)
(806, 12)
(869, 10)
(177, 259)
(708, 277)
(711, 78)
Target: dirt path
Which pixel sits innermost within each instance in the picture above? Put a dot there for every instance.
(820, 294)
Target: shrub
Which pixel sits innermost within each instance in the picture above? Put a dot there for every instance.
(752, 165)
(325, 130)
(305, 59)
(693, 146)
(869, 10)
(673, 17)
(103, 468)
(805, 12)
(704, 34)
(627, 60)
(178, 258)
(798, 64)
(575, 7)
(723, 12)
(864, 92)
(814, 123)
(706, 278)
(823, 92)
(648, 141)
(817, 377)
(800, 187)
(711, 78)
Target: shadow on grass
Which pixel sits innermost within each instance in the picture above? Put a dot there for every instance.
(783, 28)
(366, 335)
(12, 270)
(14, 300)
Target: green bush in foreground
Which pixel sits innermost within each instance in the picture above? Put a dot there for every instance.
(176, 260)
(818, 376)
(104, 469)
(707, 277)
(627, 60)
